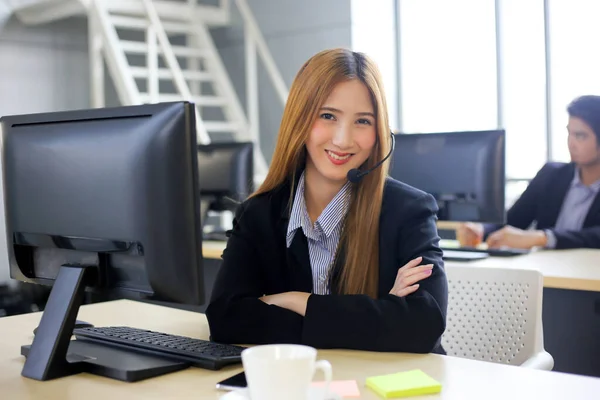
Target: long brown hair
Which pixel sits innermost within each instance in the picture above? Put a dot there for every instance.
(310, 89)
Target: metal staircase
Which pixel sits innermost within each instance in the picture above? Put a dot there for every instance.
(162, 50)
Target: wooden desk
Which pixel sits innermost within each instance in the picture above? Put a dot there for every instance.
(212, 249)
(461, 379)
(562, 269)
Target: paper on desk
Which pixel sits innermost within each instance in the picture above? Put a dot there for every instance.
(341, 388)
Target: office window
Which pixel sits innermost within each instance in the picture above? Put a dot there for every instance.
(574, 62)
(523, 85)
(447, 65)
(373, 33)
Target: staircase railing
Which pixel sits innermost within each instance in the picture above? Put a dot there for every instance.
(103, 36)
(157, 31)
(104, 41)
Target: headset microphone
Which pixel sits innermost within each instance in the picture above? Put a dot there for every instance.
(355, 175)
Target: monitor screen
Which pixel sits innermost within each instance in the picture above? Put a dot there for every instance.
(115, 189)
(464, 171)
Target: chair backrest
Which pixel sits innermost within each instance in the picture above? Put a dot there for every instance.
(494, 314)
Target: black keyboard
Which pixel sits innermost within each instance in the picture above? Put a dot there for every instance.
(491, 252)
(498, 252)
(199, 353)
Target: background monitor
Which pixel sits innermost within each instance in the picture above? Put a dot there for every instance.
(103, 199)
(464, 171)
(226, 174)
(226, 171)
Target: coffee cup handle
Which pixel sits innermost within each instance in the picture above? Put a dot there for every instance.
(325, 366)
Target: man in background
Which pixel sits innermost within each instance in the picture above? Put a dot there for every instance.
(562, 200)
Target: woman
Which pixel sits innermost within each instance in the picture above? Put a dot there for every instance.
(563, 200)
(315, 259)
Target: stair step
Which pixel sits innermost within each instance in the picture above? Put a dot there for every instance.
(133, 47)
(222, 126)
(211, 101)
(165, 73)
(122, 21)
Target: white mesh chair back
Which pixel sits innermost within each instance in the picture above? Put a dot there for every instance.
(494, 314)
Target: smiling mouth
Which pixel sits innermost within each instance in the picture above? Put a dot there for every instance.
(339, 156)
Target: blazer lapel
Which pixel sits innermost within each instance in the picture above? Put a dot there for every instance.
(555, 198)
(299, 263)
(593, 216)
(335, 273)
(298, 259)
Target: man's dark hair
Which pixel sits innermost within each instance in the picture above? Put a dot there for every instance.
(587, 108)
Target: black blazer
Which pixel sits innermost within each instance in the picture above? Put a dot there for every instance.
(257, 262)
(541, 202)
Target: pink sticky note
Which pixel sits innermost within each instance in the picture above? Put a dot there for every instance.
(341, 388)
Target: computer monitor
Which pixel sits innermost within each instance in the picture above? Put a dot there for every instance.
(226, 174)
(105, 200)
(464, 171)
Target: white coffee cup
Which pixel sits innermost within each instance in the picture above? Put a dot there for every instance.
(282, 371)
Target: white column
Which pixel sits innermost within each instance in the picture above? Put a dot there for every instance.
(96, 63)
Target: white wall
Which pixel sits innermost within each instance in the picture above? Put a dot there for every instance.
(43, 68)
(5, 12)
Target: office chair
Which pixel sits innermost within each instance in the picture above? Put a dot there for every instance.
(495, 314)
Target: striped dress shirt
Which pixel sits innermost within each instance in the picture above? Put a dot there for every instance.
(323, 236)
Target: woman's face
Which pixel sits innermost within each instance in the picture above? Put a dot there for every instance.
(343, 134)
(583, 143)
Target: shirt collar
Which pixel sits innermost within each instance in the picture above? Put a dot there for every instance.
(329, 219)
(298, 211)
(594, 187)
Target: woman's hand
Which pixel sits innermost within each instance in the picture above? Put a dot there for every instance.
(293, 301)
(406, 283)
(409, 275)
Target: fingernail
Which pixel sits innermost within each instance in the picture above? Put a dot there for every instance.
(429, 271)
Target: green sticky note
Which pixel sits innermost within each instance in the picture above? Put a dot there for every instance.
(404, 384)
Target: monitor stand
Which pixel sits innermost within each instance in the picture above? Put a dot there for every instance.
(52, 353)
(115, 363)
